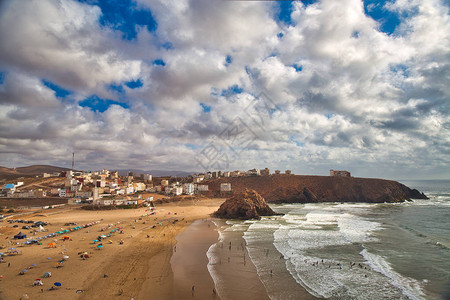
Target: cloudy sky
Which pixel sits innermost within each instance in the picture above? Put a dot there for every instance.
(211, 84)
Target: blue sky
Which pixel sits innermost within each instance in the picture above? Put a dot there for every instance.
(308, 86)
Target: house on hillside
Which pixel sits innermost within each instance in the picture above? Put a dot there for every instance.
(202, 188)
(340, 173)
(225, 187)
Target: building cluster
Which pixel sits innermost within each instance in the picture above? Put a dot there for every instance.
(237, 173)
(87, 186)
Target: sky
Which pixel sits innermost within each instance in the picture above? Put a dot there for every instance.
(198, 85)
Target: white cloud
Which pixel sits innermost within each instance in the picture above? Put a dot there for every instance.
(363, 100)
(63, 42)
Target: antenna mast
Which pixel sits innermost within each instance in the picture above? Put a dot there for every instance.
(73, 159)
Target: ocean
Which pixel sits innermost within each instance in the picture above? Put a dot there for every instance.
(352, 250)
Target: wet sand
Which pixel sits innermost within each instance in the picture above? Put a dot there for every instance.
(236, 276)
(189, 262)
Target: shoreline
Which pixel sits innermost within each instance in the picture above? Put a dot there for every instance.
(235, 274)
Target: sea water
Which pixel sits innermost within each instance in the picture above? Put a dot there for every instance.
(354, 250)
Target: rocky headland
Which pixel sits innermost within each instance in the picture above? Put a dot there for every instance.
(313, 189)
(245, 205)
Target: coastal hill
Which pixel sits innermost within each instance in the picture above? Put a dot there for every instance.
(306, 189)
(29, 171)
(246, 205)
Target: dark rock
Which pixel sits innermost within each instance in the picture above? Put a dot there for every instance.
(246, 205)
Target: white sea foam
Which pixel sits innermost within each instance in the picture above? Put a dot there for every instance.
(356, 229)
(237, 227)
(409, 287)
(259, 226)
(213, 259)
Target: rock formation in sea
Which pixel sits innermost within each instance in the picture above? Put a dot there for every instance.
(245, 205)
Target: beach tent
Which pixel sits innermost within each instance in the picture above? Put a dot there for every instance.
(47, 274)
(38, 281)
(20, 236)
(66, 237)
(52, 245)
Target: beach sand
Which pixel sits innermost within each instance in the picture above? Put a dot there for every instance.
(163, 262)
(126, 266)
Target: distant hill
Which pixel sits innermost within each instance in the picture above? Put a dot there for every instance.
(35, 170)
(29, 171)
(156, 173)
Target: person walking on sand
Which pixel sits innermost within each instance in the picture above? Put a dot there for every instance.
(193, 289)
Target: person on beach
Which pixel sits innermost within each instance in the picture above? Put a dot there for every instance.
(193, 289)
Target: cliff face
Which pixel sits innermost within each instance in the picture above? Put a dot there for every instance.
(246, 205)
(307, 189)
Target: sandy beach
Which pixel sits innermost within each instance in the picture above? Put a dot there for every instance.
(117, 270)
(164, 255)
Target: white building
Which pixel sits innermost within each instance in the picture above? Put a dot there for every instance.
(129, 189)
(147, 177)
(340, 173)
(225, 187)
(139, 186)
(62, 193)
(202, 187)
(177, 191)
(253, 172)
(188, 188)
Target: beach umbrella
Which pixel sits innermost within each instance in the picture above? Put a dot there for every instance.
(34, 265)
(47, 274)
(57, 284)
(99, 246)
